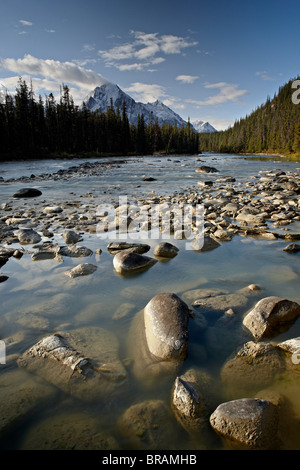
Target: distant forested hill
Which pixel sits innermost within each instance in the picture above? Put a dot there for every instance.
(31, 128)
(274, 127)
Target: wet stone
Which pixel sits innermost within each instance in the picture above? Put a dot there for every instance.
(247, 423)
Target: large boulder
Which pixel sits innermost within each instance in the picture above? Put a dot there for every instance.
(27, 192)
(247, 423)
(270, 316)
(166, 325)
(150, 371)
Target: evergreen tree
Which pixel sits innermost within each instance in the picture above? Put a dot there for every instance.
(296, 146)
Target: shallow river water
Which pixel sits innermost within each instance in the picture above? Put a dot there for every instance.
(38, 300)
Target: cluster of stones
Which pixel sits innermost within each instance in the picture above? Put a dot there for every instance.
(81, 170)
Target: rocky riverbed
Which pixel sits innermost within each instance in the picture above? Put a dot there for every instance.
(209, 359)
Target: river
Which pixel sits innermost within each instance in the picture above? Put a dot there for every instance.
(37, 299)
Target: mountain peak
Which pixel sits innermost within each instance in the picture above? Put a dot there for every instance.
(100, 99)
(203, 126)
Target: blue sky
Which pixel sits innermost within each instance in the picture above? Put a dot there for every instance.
(211, 60)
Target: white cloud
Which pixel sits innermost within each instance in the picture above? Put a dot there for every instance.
(174, 44)
(228, 92)
(89, 47)
(186, 78)
(143, 50)
(145, 92)
(49, 74)
(50, 30)
(25, 23)
(264, 76)
(148, 93)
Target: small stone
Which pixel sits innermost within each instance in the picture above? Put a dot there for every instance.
(28, 236)
(71, 237)
(292, 248)
(116, 247)
(165, 250)
(52, 209)
(206, 169)
(81, 270)
(75, 251)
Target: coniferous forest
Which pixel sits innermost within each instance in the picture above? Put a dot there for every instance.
(273, 127)
(31, 128)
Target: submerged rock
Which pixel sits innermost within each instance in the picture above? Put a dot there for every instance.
(247, 423)
(254, 366)
(69, 431)
(270, 315)
(147, 425)
(21, 395)
(82, 362)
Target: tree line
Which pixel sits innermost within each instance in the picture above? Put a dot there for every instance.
(273, 127)
(31, 128)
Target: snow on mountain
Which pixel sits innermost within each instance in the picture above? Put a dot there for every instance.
(203, 126)
(100, 99)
